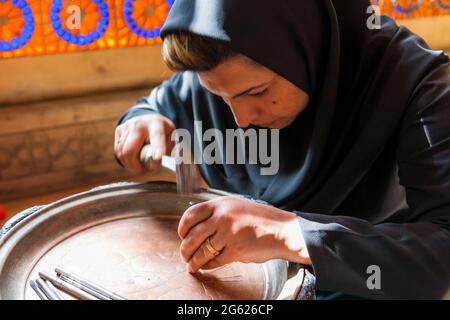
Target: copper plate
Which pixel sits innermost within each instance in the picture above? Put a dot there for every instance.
(123, 237)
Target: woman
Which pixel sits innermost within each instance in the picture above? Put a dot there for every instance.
(362, 194)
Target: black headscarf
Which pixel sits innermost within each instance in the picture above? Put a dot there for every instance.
(326, 49)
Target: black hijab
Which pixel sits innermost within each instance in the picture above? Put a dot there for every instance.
(326, 49)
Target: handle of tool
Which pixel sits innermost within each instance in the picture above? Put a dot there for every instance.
(145, 157)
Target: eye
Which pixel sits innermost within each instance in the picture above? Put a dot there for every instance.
(258, 94)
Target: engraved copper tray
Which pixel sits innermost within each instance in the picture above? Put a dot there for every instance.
(123, 237)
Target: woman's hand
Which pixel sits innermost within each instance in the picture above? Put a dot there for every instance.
(133, 134)
(242, 230)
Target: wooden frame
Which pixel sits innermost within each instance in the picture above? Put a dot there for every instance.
(31, 79)
(49, 146)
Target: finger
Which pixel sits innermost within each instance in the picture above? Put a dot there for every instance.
(120, 144)
(223, 259)
(131, 150)
(117, 136)
(195, 238)
(117, 141)
(202, 256)
(193, 216)
(158, 140)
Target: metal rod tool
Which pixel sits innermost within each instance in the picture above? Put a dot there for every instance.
(87, 286)
(187, 174)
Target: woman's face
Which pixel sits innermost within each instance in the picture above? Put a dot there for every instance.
(255, 94)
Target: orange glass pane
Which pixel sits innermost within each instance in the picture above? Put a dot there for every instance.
(30, 27)
(408, 9)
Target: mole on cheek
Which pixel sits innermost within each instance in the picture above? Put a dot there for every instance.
(274, 102)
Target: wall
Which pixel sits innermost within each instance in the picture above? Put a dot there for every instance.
(58, 114)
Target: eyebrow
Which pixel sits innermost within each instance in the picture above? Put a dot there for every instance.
(251, 89)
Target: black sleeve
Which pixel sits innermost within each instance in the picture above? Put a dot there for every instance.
(413, 257)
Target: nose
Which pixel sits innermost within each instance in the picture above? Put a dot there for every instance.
(244, 114)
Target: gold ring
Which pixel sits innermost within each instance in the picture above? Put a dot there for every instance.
(210, 248)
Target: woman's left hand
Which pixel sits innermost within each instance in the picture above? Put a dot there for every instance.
(242, 231)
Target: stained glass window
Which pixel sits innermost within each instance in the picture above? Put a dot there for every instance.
(39, 27)
(407, 9)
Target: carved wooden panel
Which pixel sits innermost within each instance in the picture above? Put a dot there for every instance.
(54, 145)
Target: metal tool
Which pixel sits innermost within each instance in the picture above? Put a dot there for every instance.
(85, 289)
(43, 285)
(187, 174)
(87, 286)
(55, 292)
(41, 294)
(69, 288)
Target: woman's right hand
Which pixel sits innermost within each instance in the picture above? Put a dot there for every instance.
(132, 135)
